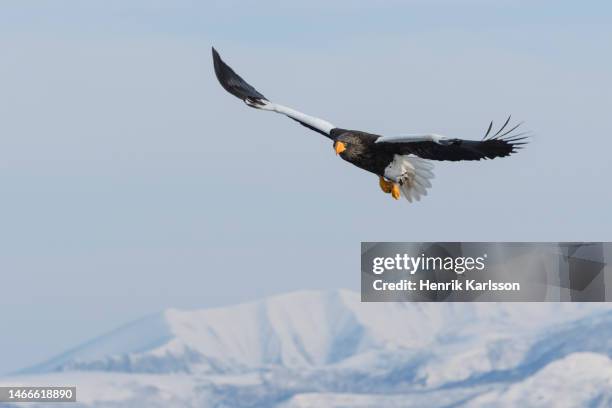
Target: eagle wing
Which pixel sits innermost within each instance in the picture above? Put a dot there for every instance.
(234, 84)
(436, 147)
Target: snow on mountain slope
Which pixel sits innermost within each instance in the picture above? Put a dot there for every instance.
(577, 380)
(301, 329)
(317, 348)
(95, 389)
(137, 337)
(515, 357)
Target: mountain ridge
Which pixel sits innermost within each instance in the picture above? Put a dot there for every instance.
(329, 342)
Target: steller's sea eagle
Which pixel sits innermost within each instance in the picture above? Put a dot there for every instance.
(402, 163)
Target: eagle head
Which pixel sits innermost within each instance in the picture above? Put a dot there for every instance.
(348, 145)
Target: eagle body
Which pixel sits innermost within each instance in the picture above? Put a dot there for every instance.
(402, 163)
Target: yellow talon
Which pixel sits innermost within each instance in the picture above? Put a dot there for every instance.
(385, 186)
(395, 191)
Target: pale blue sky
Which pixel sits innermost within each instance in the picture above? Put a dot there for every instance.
(132, 182)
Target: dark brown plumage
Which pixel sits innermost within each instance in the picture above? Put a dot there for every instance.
(362, 150)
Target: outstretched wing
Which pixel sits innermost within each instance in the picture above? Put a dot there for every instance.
(234, 84)
(435, 147)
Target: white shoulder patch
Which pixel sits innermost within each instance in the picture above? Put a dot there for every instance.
(430, 137)
(317, 123)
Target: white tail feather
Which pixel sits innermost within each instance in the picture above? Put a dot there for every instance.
(412, 173)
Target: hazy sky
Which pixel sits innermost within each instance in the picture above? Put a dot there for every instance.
(131, 181)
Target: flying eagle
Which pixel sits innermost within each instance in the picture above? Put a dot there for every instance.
(402, 163)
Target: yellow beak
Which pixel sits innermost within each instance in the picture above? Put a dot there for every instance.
(339, 147)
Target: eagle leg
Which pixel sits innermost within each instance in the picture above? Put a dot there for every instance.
(385, 186)
(395, 191)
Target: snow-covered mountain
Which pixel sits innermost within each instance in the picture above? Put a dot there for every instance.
(318, 349)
